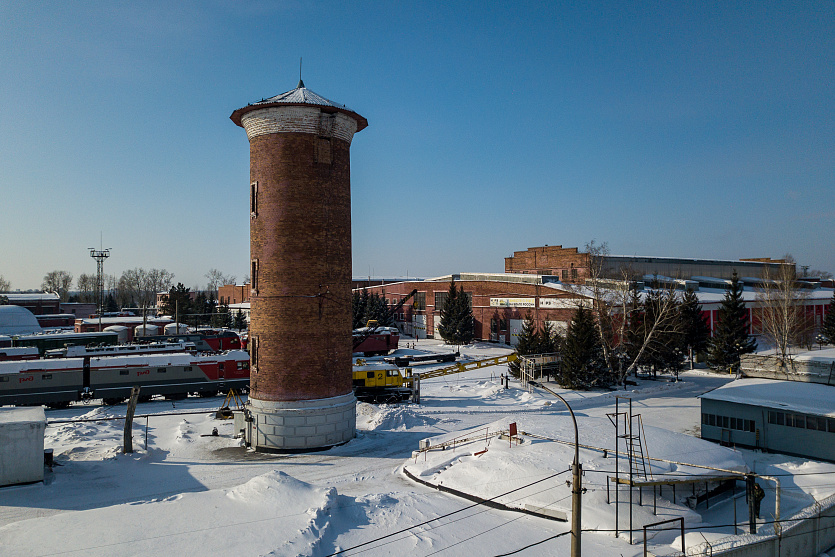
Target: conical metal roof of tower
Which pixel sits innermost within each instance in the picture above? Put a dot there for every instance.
(300, 96)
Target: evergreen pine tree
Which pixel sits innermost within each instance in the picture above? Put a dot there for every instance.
(527, 342)
(828, 328)
(358, 303)
(222, 317)
(549, 339)
(178, 302)
(240, 321)
(731, 340)
(582, 365)
(200, 312)
(449, 314)
(110, 303)
(695, 330)
(456, 326)
(465, 330)
(376, 309)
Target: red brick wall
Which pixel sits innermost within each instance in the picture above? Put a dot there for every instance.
(301, 237)
(549, 260)
(233, 293)
(481, 292)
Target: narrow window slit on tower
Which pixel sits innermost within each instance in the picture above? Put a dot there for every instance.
(254, 275)
(253, 199)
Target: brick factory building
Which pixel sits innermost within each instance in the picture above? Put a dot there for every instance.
(500, 303)
(233, 293)
(571, 265)
(301, 394)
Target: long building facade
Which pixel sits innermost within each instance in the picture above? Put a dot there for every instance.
(501, 302)
(572, 266)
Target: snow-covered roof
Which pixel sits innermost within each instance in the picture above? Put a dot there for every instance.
(15, 297)
(16, 320)
(22, 415)
(301, 95)
(794, 396)
(132, 320)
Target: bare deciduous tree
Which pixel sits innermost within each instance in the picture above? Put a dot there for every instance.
(823, 275)
(781, 307)
(141, 286)
(159, 280)
(5, 285)
(603, 299)
(612, 298)
(217, 279)
(59, 282)
(86, 285)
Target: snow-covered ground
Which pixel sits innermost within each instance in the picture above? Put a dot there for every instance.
(196, 494)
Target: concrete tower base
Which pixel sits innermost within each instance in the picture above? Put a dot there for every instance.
(301, 425)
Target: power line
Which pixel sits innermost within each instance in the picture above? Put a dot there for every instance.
(534, 544)
(445, 515)
(467, 517)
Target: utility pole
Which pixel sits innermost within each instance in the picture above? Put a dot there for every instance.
(577, 480)
(100, 256)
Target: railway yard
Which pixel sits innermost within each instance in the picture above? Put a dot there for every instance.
(193, 492)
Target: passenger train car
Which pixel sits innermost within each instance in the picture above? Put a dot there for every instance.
(59, 381)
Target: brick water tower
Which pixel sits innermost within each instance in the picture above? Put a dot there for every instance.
(300, 250)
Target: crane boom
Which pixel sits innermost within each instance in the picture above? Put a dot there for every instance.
(461, 367)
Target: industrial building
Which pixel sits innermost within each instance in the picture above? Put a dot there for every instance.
(789, 417)
(571, 265)
(39, 303)
(501, 301)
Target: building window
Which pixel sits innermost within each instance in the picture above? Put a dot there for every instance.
(573, 274)
(253, 199)
(816, 422)
(253, 351)
(565, 274)
(420, 301)
(254, 276)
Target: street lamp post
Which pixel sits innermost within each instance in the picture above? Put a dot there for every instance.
(577, 480)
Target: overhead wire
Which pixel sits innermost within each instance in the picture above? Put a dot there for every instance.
(444, 515)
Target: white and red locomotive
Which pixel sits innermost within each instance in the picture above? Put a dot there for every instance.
(60, 381)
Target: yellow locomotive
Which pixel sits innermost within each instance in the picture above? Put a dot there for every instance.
(383, 382)
(380, 382)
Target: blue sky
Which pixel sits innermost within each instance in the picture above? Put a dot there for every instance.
(668, 129)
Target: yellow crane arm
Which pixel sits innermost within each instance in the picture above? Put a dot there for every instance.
(468, 366)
